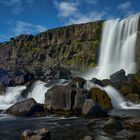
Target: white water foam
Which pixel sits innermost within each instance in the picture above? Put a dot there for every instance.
(118, 101)
(11, 96)
(38, 92)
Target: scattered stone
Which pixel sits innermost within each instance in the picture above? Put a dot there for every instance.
(112, 126)
(133, 124)
(42, 134)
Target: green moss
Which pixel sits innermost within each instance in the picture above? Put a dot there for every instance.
(101, 97)
(134, 97)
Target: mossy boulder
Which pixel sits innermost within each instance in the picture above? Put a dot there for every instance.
(133, 97)
(101, 97)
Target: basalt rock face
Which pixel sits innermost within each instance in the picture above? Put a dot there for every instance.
(74, 46)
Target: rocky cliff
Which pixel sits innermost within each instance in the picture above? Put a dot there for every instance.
(74, 46)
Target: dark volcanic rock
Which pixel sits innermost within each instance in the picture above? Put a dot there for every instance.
(112, 126)
(65, 99)
(92, 109)
(77, 82)
(73, 46)
(42, 134)
(60, 98)
(27, 107)
(118, 76)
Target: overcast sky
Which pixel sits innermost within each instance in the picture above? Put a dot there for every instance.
(34, 16)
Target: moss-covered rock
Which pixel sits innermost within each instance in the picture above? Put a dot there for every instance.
(101, 97)
(133, 97)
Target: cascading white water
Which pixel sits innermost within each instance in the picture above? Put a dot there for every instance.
(118, 101)
(118, 46)
(11, 96)
(117, 50)
(38, 92)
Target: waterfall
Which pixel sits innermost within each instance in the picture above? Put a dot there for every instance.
(117, 49)
(11, 96)
(38, 92)
(118, 101)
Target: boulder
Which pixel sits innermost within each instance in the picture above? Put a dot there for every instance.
(92, 109)
(27, 107)
(97, 82)
(87, 107)
(112, 126)
(42, 134)
(100, 96)
(59, 98)
(118, 76)
(133, 124)
(65, 99)
(77, 82)
(80, 98)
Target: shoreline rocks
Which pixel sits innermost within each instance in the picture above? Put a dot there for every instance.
(28, 108)
(41, 134)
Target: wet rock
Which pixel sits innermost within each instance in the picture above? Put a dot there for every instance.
(100, 96)
(97, 81)
(59, 98)
(133, 97)
(118, 76)
(112, 126)
(77, 82)
(65, 99)
(27, 107)
(133, 124)
(87, 107)
(80, 98)
(42, 134)
(92, 109)
(129, 135)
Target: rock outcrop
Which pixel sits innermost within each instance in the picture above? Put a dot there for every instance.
(74, 46)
